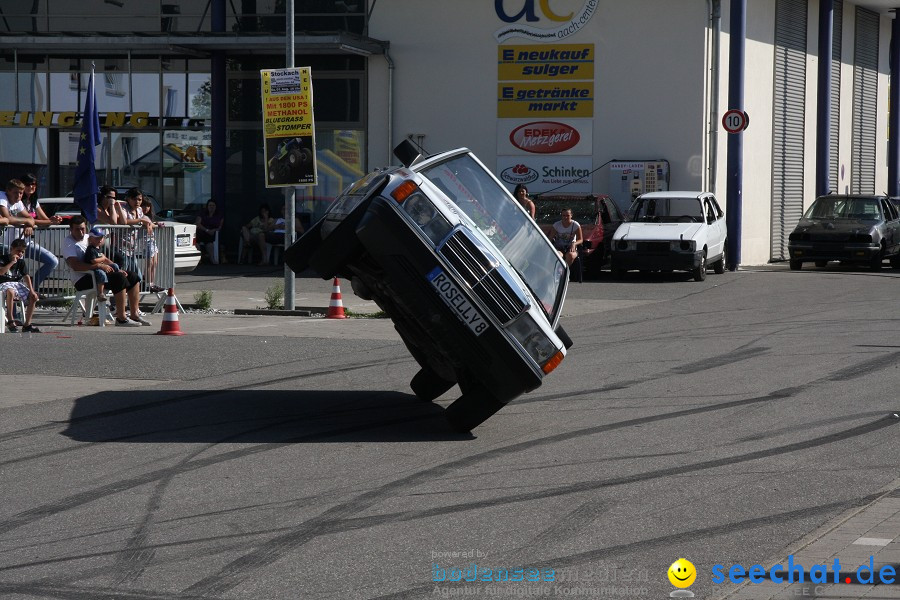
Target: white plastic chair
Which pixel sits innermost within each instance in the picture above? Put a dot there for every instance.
(253, 249)
(3, 311)
(86, 301)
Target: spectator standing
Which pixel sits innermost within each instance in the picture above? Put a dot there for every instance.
(209, 223)
(131, 214)
(15, 284)
(151, 250)
(121, 282)
(12, 209)
(107, 206)
(254, 233)
(521, 194)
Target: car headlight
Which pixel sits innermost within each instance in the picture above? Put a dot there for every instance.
(683, 246)
(533, 339)
(427, 217)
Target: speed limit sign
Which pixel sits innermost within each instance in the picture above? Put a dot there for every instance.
(735, 121)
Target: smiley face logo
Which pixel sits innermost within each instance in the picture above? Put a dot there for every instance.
(682, 573)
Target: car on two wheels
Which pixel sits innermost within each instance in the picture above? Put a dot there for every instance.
(671, 231)
(473, 286)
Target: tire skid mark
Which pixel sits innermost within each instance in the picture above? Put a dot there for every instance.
(567, 526)
(867, 367)
(234, 572)
(94, 593)
(11, 435)
(620, 550)
(720, 361)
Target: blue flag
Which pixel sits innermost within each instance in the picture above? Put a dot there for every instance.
(85, 176)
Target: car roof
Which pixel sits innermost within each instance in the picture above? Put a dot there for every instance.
(675, 194)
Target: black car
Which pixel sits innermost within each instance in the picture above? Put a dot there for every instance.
(852, 229)
(473, 286)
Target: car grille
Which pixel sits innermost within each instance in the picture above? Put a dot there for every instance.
(496, 293)
(653, 247)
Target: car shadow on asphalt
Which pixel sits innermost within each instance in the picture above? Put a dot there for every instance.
(257, 416)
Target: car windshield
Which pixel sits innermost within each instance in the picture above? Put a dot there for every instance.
(843, 207)
(666, 210)
(547, 210)
(495, 213)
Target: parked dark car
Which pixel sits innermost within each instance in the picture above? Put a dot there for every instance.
(598, 216)
(852, 229)
(474, 288)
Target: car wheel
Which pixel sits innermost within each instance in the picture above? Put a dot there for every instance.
(875, 265)
(471, 409)
(428, 385)
(821, 263)
(796, 265)
(294, 157)
(700, 272)
(720, 264)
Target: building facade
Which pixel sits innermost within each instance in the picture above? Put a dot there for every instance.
(567, 96)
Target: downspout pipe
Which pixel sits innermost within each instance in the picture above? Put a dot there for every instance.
(715, 17)
(735, 162)
(823, 97)
(218, 107)
(894, 108)
(390, 106)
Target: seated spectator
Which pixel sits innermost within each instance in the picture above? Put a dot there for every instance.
(74, 247)
(15, 284)
(209, 222)
(254, 234)
(93, 255)
(276, 236)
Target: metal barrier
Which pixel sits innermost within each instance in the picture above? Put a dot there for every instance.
(57, 285)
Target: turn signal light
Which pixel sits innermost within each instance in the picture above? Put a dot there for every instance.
(403, 191)
(553, 363)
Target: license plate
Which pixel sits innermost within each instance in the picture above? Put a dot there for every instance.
(453, 298)
(183, 240)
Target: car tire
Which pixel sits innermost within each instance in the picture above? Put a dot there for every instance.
(821, 263)
(294, 157)
(720, 264)
(428, 385)
(471, 409)
(796, 265)
(700, 272)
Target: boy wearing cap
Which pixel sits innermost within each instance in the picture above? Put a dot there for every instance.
(94, 256)
(15, 283)
(75, 247)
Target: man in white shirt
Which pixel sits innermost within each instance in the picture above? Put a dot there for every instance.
(118, 282)
(10, 208)
(13, 207)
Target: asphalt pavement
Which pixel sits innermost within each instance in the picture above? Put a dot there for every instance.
(854, 555)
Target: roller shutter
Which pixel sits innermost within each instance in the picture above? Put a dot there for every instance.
(834, 129)
(865, 102)
(788, 122)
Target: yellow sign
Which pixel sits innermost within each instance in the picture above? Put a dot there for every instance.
(542, 62)
(545, 99)
(66, 119)
(288, 127)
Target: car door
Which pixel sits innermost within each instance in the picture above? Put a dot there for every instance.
(715, 223)
(611, 217)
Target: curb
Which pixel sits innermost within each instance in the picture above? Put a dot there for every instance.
(300, 312)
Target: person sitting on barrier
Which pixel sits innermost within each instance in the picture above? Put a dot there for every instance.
(119, 282)
(151, 249)
(93, 255)
(32, 208)
(254, 233)
(208, 223)
(15, 284)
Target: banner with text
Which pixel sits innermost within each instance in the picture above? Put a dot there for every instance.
(545, 136)
(545, 173)
(288, 127)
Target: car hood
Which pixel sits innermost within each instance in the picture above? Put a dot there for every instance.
(657, 231)
(836, 226)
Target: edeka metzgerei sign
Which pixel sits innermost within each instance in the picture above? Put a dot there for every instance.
(288, 128)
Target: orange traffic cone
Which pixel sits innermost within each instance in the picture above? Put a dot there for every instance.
(336, 306)
(170, 324)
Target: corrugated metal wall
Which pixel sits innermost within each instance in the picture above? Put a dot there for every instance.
(834, 141)
(788, 122)
(865, 102)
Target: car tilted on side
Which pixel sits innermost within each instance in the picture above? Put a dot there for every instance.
(473, 286)
(854, 229)
(671, 231)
